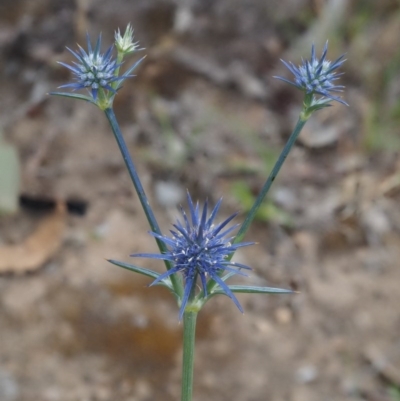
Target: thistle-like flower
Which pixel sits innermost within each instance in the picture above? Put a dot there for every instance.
(317, 77)
(200, 249)
(96, 72)
(125, 44)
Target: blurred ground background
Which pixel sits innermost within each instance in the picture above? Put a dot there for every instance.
(203, 114)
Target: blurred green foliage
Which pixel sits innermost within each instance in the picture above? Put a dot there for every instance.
(268, 211)
(394, 393)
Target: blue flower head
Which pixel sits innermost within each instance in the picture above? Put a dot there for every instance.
(317, 76)
(96, 72)
(199, 249)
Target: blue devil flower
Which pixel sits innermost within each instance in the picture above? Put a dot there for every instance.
(94, 70)
(200, 249)
(99, 73)
(317, 76)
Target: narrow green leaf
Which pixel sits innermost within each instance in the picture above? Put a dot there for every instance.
(140, 270)
(248, 289)
(74, 96)
(136, 269)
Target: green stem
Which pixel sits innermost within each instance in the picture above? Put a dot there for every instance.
(189, 332)
(120, 58)
(282, 157)
(140, 191)
(271, 178)
(257, 203)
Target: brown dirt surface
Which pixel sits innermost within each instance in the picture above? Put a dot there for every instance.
(203, 114)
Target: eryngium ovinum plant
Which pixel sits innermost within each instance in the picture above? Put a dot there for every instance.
(200, 248)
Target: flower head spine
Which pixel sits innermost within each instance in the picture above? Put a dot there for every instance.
(199, 249)
(317, 76)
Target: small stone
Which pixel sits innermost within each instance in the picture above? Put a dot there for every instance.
(283, 315)
(286, 198)
(168, 193)
(9, 389)
(306, 374)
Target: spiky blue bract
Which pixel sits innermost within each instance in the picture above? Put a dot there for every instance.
(317, 76)
(94, 71)
(199, 249)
